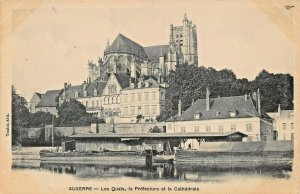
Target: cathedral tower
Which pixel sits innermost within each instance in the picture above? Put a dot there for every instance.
(185, 36)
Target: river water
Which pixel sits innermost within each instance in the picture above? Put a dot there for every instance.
(137, 174)
(166, 171)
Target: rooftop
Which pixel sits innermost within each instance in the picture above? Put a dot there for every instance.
(126, 45)
(49, 99)
(220, 108)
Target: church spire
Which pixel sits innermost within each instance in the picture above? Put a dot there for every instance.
(184, 18)
(171, 36)
(107, 45)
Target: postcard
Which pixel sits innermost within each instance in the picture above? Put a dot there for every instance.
(149, 96)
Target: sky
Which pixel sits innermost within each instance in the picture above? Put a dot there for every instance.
(56, 40)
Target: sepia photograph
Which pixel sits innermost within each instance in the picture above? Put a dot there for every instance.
(149, 96)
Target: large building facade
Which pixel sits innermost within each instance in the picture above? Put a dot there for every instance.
(222, 115)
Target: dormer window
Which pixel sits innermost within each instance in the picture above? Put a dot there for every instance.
(132, 85)
(233, 113)
(197, 115)
(95, 92)
(76, 94)
(146, 84)
(85, 93)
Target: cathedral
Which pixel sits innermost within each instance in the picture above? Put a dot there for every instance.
(124, 56)
(128, 81)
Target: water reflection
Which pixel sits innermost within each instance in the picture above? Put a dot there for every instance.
(165, 171)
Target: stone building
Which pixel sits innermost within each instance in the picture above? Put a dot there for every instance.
(127, 67)
(49, 102)
(125, 56)
(222, 115)
(145, 99)
(36, 98)
(283, 124)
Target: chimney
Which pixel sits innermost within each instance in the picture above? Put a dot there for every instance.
(179, 108)
(207, 99)
(84, 85)
(65, 86)
(279, 110)
(258, 102)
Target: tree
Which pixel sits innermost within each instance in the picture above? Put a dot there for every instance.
(73, 113)
(20, 115)
(40, 119)
(274, 89)
(189, 82)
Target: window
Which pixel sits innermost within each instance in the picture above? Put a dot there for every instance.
(125, 98)
(92, 103)
(95, 92)
(146, 96)
(292, 125)
(139, 110)
(233, 127)
(249, 127)
(153, 95)
(132, 110)
(153, 109)
(86, 103)
(182, 129)
(208, 129)
(76, 94)
(97, 103)
(197, 115)
(283, 125)
(292, 136)
(125, 111)
(220, 128)
(147, 110)
(139, 97)
(132, 97)
(197, 129)
(46, 109)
